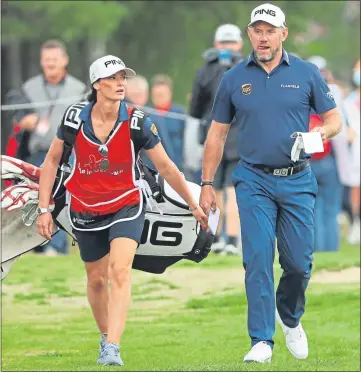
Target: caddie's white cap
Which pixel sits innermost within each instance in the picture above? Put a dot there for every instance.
(227, 32)
(107, 66)
(268, 13)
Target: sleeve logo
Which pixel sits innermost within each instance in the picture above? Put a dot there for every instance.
(330, 96)
(154, 129)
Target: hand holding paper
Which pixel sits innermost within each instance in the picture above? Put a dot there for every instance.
(309, 142)
(320, 130)
(213, 220)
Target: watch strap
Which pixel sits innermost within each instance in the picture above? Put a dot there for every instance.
(206, 183)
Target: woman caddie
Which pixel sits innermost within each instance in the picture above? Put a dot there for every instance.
(106, 206)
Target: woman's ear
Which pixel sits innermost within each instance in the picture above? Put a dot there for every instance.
(96, 85)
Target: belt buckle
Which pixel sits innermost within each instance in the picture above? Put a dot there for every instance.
(282, 172)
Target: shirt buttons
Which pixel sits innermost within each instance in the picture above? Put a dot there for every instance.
(268, 77)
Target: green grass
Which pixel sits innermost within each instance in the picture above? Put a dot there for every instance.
(47, 323)
(348, 256)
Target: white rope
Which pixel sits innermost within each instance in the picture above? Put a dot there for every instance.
(70, 100)
(57, 102)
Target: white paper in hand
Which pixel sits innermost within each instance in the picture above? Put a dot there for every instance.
(312, 142)
(213, 220)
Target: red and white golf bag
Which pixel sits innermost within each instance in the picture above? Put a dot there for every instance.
(170, 233)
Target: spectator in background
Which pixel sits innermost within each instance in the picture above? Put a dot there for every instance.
(324, 167)
(225, 54)
(170, 127)
(193, 150)
(17, 142)
(54, 83)
(332, 171)
(329, 196)
(137, 91)
(352, 110)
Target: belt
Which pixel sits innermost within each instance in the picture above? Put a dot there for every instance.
(281, 172)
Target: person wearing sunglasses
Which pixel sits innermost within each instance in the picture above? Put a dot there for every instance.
(106, 202)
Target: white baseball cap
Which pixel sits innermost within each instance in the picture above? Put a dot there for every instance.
(227, 32)
(319, 61)
(268, 13)
(107, 66)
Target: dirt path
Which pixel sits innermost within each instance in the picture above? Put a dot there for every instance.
(178, 285)
(196, 282)
(349, 275)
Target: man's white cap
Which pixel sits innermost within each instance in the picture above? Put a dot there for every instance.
(319, 61)
(107, 66)
(268, 13)
(227, 32)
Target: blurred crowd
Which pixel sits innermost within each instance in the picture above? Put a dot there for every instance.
(183, 132)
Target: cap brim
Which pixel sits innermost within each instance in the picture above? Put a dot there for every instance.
(128, 72)
(266, 21)
(228, 40)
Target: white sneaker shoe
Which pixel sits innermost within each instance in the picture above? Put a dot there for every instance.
(296, 339)
(50, 251)
(354, 235)
(260, 353)
(231, 250)
(218, 247)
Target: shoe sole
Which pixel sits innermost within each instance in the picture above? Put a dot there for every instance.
(269, 360)
(110, 364)
(295, 356)
(233, 254)
(219, 252)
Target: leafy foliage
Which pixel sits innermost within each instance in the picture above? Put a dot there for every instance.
(68, 20)
(170, 36)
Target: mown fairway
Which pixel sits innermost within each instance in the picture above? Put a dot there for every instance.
(191, 318)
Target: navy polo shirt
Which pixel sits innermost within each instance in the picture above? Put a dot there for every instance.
(269, 107)
(147, 141)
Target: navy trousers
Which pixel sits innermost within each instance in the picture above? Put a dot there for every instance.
(328, 204)
(273, 207)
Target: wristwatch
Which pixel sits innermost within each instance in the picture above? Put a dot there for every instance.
(206, 183)
(43, 210)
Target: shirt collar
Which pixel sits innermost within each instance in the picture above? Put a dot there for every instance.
(61, 82)
(285, 58)
(85, 113)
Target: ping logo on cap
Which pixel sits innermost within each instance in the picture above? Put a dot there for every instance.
(113, 62)
(265, 11)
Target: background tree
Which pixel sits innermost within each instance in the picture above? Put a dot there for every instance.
(165, 36)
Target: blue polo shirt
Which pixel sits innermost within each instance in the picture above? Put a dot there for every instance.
(269, 107)
(147, 139)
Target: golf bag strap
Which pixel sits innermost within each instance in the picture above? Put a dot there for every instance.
(71, 125)
(137, 119)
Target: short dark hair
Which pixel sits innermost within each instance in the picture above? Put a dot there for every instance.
(54, 43)
(162, 79)
(92, 96)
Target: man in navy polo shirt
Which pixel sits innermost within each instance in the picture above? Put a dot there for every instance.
(271, 94)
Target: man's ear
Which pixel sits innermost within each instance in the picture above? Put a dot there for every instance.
(284, 34)
(96, 85)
